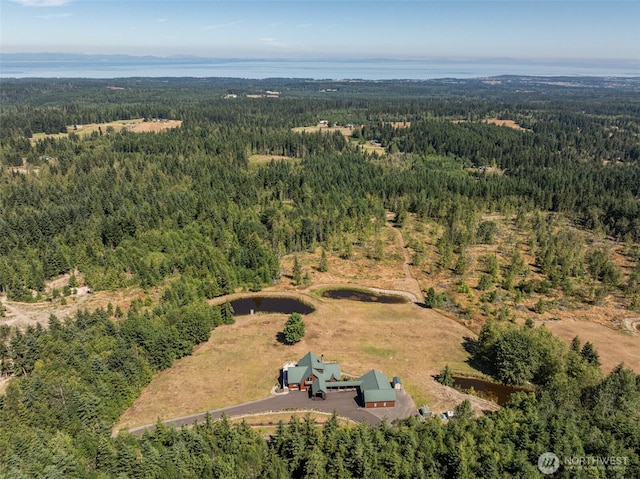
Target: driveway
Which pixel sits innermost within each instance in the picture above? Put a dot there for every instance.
(343, 402)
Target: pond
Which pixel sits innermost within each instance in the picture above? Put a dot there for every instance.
(360, 295)
(488, 390)
(264, 304)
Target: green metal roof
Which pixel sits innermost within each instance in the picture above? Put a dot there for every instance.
(311, 360)
(332, 371)
(375, 387)
(375, 380)
(379, 395)
(297, 374)
(312, 364)
(318, 385)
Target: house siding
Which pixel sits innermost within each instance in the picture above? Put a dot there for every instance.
(380, 404)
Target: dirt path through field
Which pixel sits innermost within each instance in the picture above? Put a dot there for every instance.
(409, 283)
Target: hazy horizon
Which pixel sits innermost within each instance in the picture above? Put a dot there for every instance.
(524, 31)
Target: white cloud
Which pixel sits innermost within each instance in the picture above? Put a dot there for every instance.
(42, 3)
(162, 19)
(272, 42)
(55, 15)
(222, 25)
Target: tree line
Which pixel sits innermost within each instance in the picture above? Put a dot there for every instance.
(77, 376)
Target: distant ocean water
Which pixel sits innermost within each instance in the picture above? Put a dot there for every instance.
(14, 66)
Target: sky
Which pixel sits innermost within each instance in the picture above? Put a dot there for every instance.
(398, 29)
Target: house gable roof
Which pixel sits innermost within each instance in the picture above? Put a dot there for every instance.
(318, 386)
(332, 372)
(297, 374)
(310, 364)
(312, 361)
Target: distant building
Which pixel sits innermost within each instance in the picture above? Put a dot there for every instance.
(311, 372)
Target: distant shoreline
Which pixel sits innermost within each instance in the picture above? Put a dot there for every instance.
(123, 66)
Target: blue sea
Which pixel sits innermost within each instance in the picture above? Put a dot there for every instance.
(122, 66)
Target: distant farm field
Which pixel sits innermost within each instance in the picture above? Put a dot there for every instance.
(496, 121)
(258, 159)
(346, 131)
(137, 125)
(508, 123)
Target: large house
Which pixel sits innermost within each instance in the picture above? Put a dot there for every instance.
(311, 372)
(309, 369)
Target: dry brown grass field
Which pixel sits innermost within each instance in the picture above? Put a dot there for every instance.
(495, 121)
(400, 124)
(608, 325)
(614, 347)
(241, 362)
(258, 159)
(325, 129)
(135, 125)
(508, 123)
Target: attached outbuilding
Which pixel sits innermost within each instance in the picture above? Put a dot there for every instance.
(376, 390)
(397, 384)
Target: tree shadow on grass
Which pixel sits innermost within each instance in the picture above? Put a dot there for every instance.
(470, 345)
(281, 339)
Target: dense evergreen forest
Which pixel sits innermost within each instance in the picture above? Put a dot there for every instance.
(189, 209)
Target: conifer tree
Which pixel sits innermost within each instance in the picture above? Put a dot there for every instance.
(297, 272)
(227, 313)
(293, 329)
(324, 263)
(446, 377)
